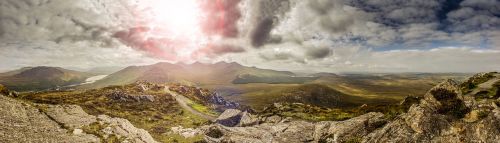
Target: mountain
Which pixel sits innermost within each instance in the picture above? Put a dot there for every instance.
(14, 72)
(196, 73)
(105, 70)
(41, 78)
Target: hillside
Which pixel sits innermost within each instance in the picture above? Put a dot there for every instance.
(196, 73)
(41, 78)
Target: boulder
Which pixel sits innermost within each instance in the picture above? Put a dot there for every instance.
(348, 130)
(230, 117)
(126, 97)
(185, 132)
(123, 128)
(247, 119)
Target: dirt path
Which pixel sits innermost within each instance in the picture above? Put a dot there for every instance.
(486, 85)
(183, 101)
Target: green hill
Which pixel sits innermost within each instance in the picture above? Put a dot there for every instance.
(41, 78)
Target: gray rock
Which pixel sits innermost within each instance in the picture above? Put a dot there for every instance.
(234, 117)
(342, 131)
(71, 116)
(125, 97)
(185, 132)
(230, 117)
(123, 128)
(247, 119)
(297, 131)
(20, 122)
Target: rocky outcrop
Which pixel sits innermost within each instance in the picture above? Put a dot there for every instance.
(123, 129)
(442, 116)
(185, 132)
(126, 97)
(234, 117)
(27, 122)
(20, 122)
(277, 129)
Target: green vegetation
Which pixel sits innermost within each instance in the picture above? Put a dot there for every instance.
(3, 90)
(306, 112)
(157, 116)
(450, 104)
(248, 78)
(354, 140)
(492, 93)
(96, 129)
(475, 80)
(315, 113)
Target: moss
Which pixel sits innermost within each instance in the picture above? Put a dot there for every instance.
(214, 133)
(354, 140)
(483, 114)
(450, 104)
(474, 81)
(443, 94)
(96, 129)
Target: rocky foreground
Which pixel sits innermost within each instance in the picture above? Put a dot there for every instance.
(27, 122)
(444, 115)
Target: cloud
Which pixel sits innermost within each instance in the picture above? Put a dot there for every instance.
(218, 50)
(325, 35)
(221, 17)
(23, 54)
(260, 35)
(61, 21)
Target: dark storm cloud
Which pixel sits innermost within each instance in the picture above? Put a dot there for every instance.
(475, 15)
(260, 35)
(400, 12)
(267, 14)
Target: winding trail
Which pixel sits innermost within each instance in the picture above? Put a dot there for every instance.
(183, 101)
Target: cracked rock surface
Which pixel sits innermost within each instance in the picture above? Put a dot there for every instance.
(22, 122)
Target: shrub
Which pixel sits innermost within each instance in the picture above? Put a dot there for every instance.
(450, 104)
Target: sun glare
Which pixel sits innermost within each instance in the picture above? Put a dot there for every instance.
(182, 16)
(175, 20)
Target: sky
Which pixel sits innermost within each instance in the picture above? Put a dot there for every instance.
(293, 35)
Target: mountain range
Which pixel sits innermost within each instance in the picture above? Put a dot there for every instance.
(196, 73)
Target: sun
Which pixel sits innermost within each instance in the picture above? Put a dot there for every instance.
(174, 23)
(181, 16)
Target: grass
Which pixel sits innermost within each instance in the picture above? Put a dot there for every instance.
(201, 108)
(315, 113)
(156, 117)
(475, 80)
(96, 129)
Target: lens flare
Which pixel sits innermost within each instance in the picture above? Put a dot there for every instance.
(173, 20)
